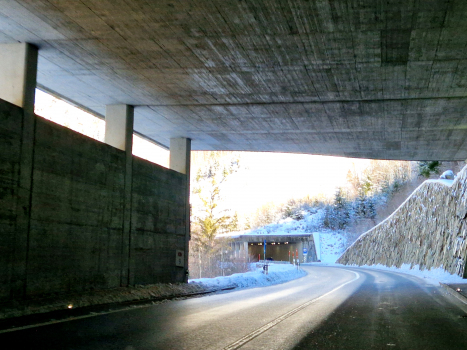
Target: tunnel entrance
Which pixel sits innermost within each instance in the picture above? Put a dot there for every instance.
(278, 247)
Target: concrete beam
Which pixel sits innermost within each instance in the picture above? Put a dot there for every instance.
(180, 152)
(119, 126)
(18, 73)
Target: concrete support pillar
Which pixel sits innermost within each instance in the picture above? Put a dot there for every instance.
(18, 71)
(119, 133)
(119, 126)
(180, 152)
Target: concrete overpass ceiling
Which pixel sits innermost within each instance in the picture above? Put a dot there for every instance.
(376, 79)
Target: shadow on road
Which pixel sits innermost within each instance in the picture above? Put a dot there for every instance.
(391, 312)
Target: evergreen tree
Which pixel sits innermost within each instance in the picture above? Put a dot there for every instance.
(426, 168)
(360, 204)
(342, 208)
(370, 208)
(288, 210)
(338, 215)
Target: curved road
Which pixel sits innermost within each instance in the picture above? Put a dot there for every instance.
(330, 308)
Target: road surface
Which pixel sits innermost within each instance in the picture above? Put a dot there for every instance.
(330, 308)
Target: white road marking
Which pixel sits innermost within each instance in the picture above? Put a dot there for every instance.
(91, 314)
(242, 341)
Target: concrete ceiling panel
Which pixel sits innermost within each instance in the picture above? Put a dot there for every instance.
(327, 77)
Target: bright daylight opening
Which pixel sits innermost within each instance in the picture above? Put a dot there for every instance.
(65, 114)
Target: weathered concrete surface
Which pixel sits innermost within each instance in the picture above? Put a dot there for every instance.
(429, 229)
(158, 223)
(112, 298)
(373, 79)
(10, 155)
(180, 161)
(74, 234)
(18, 71)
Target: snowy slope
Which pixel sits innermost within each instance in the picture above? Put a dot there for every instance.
(332, 245)
(310, 222)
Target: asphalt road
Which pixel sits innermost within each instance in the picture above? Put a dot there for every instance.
(331, 308)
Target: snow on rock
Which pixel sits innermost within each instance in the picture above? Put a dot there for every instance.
(448, 174)
(278, 273)
(428, 229)
(332, 245)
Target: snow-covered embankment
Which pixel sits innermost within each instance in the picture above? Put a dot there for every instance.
(277, 273)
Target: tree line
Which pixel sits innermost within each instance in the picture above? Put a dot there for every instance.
(354, 208)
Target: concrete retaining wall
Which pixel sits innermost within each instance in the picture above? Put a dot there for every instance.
(10, 134)
(73, 239)
(157, 224)
(428, 229)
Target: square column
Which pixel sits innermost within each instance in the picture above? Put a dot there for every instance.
(119, 126)
(180, 152)
(119, 134)
(18, 73)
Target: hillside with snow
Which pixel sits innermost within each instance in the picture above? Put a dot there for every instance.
(329, 244)
(332, 245)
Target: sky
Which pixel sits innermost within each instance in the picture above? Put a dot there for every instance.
(263, 177)
(277, 177)
(85, 123)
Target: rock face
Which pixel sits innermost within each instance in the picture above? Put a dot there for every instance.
(429, 229)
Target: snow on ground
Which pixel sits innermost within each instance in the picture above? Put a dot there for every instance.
(332, 245)
(278, 273)
(433, 276)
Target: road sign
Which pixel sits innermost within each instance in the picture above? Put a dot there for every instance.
(305, 250)
(180, 258)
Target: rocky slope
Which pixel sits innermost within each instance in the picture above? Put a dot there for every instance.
(429, 229)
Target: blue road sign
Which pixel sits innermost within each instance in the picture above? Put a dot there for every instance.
(305, 250)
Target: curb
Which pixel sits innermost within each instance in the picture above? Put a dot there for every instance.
(455, 294)
(63, 314)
